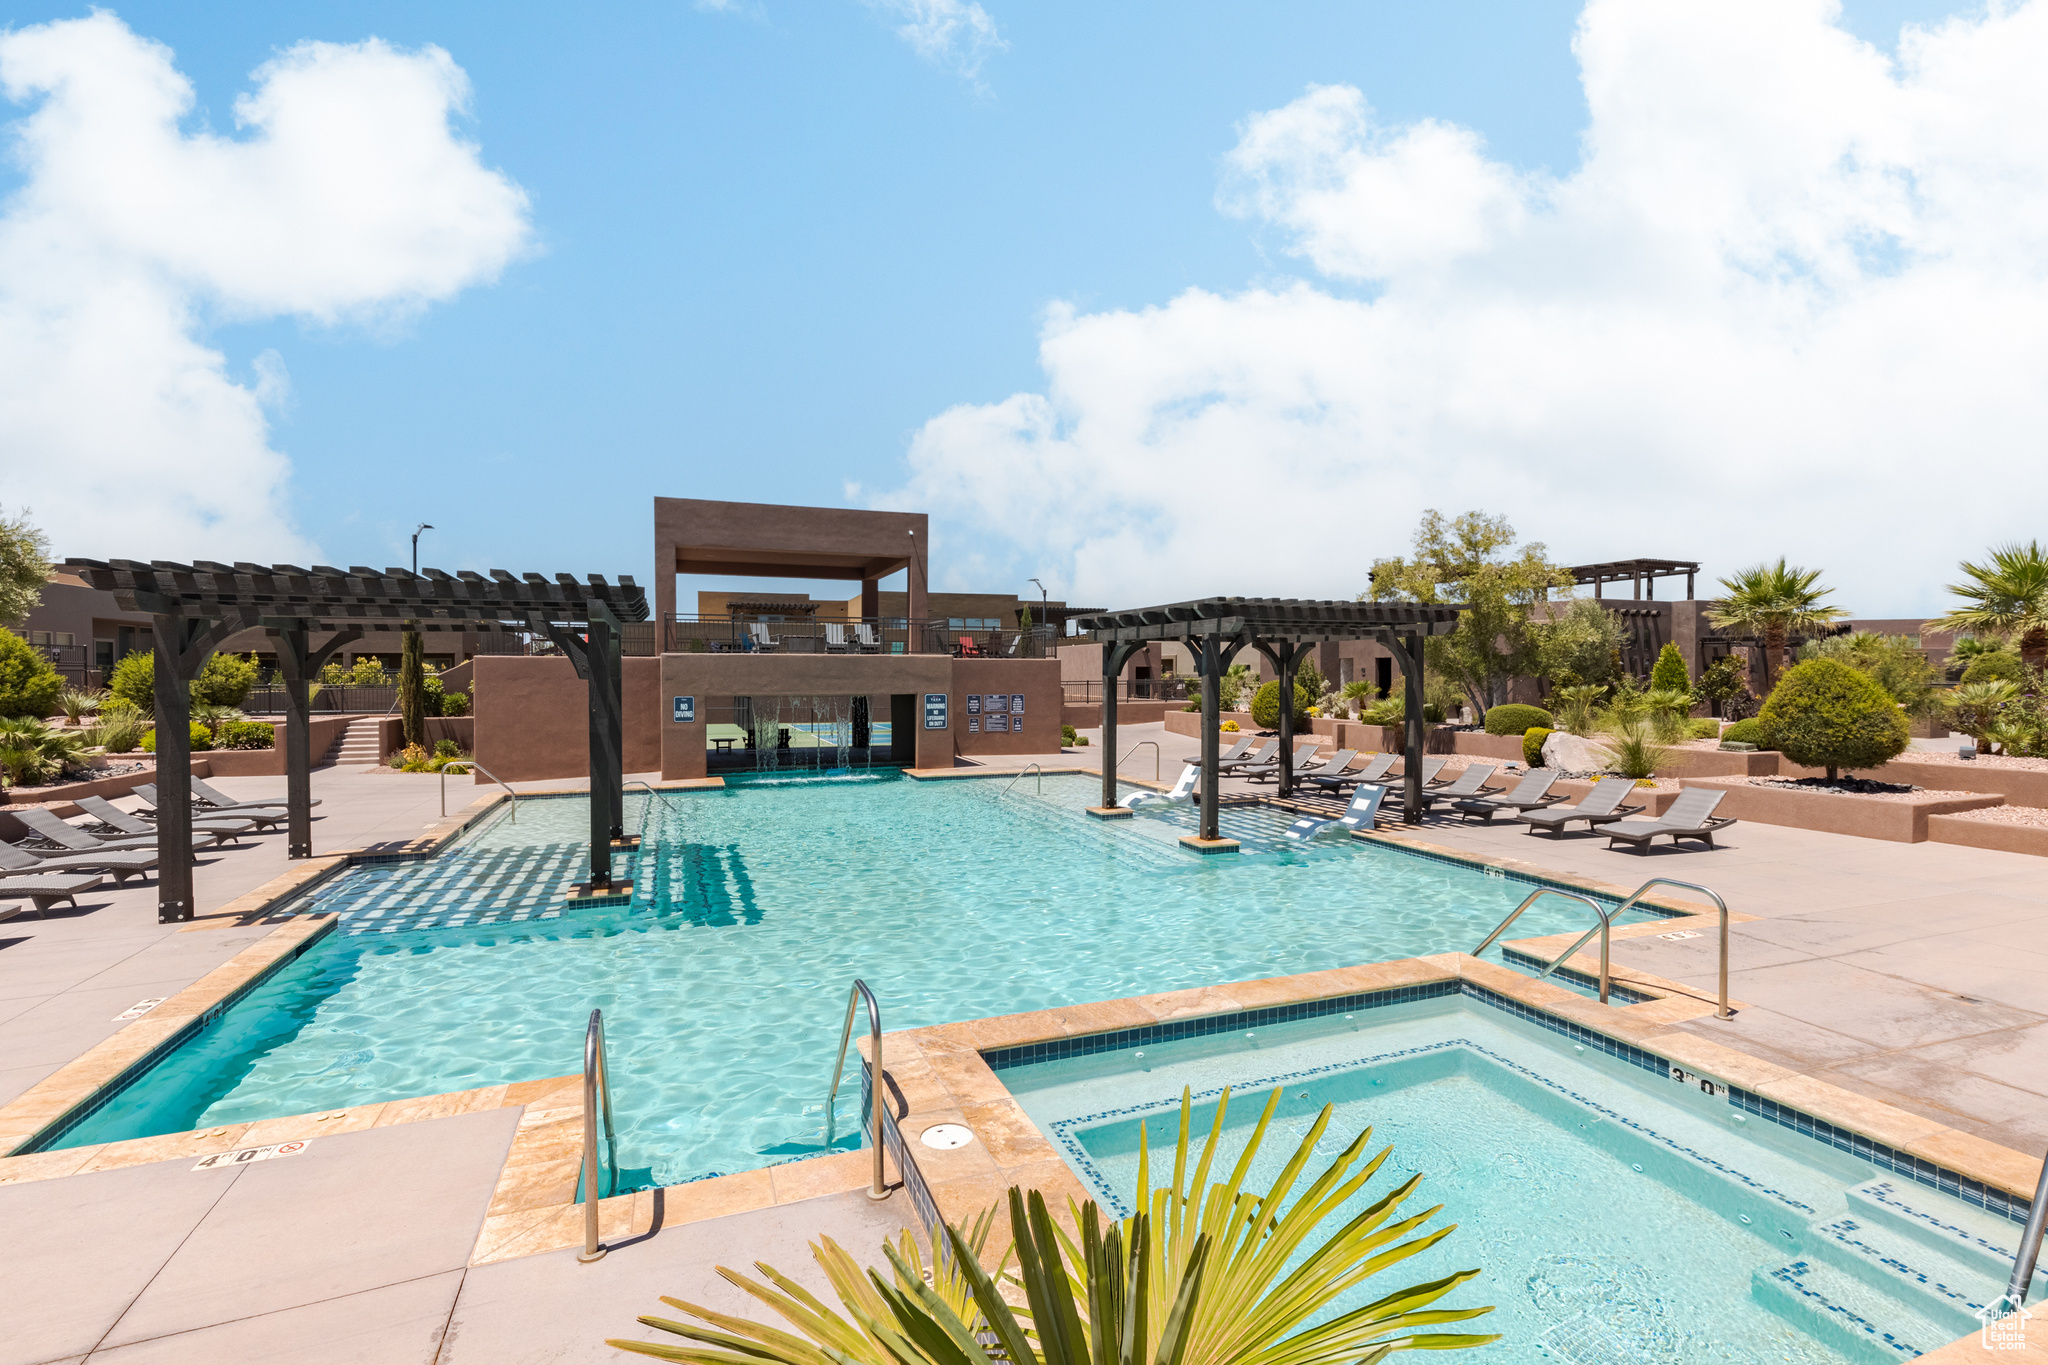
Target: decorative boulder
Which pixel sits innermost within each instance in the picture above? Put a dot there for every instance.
(1574, 754)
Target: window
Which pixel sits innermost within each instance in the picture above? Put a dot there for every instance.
(103, 654)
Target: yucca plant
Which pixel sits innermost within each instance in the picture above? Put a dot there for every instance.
(1668, 710)
(1577, 708)
(1633, 742)
(77, 705)
(1204, 1274)
(118, 730)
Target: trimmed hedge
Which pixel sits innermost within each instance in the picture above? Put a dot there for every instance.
(1669, 671)
(1515, 719)
(1532, 745)
(28, 685)
(1745, 732)
(1825, 714)
(202, 738)
(455, 703)
(245, 734)
(1266, 705)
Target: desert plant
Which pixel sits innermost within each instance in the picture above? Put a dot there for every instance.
(118, 730)
(133, 681)
(211, 714)
(1532, 745)
(1231, 686)
(1513, 718)
(2002, 666)
(1773, 600)
(455, 703)
(1825, 714)
(1970, 648)
(1577, 708)
(1895, 662)
(1081, 741)
(33, 752)
(333, 675)
(77, 704)
(1668, 673)
(1204, 1274)
(28, 685)
(446, 748)
(1266, 705)
(225, 680)
(2006, 599)
(245, 734)
(412, 688)
(1707, 728)
(1745, 732)
(369, 671)
(1668, 710)
(1634, 745)
(202, 739)
(1975, 708)
(411, 759)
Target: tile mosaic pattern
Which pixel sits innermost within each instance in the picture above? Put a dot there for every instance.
(1849, 1233)
(1891, 1197)
(1571, 976)
(460, 889)
(1793, 1276)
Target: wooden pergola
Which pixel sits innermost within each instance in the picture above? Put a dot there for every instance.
(198, 605)
(1283, 630)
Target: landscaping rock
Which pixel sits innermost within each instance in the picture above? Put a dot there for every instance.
(1575, 754)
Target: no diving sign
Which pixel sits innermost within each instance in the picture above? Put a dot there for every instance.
(685, 711)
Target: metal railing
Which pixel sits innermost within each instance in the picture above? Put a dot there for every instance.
(1602, 929)
(1023, 773)
(1134, 748)
(2030, 1245)
(653, 797)
(597, 1094)
(501, 782)
(1088, 691)
(1723, 1012)
(683, 633)
(879, 1189)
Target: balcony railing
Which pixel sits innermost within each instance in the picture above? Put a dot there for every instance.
(1088, 691)
(688, 634)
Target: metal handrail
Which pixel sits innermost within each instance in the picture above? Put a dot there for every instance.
(1134, 748)
(1024, 772)
(636, 782)
(597, 1093)
(879, 1189)
(1602, 928)
(1723, 1012)
(2030, 1245)
(501, 782)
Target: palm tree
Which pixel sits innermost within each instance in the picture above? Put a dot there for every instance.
(1773, 600)
(2007, 600)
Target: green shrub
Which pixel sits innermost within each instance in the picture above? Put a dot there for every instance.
(1068, 734)
(120, 730)
(455, 703)
(1194, 699)
(1998, 667)
(202, 738)
(368, 672)
(225, 681)
(1266, 705)
(1081, 741)
(134, 681)
(1706, 729)
(1668, 674)
(28, 685)
(1825, 714)
(333, 675)
(1532, 745)
(245, 734)
(446, 748)
(1515, 719)
(1745, 732)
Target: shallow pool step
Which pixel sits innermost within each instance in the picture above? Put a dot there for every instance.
(1983, 1241)
(1934, 1284)
(1834, 1307)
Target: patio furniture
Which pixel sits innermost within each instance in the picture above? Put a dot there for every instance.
(966, 648)
(44, 825)
(1360, 814)
(1337, 763)
(1430, 768)
(1691, 816)
(1236, 752)
(835, 638)
(16, 861)
(1375, 769)
(221, 801)
(47, 891)
(264, 816)
(8, 912)
(760, 639)
(870, 643)
(111, 816)
(1597, 807)
(1469, 783)
(1265, 754)
(1181, 793)
(1303, 753)
(1531, 793)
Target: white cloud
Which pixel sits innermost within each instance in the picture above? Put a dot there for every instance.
(345, 198)
(1793, 300)
(952, 33)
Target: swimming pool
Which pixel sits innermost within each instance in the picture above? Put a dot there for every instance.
(1618, 1216)
(724, 983)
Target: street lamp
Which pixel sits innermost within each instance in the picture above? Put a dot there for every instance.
(423, 526)
(1043, 609)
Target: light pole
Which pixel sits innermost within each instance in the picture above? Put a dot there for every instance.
(423, 526)
(1043, 599)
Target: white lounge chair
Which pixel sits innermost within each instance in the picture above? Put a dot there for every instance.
(835, 638)
(1182, 793)
(870, 643)
(763, 641)
(1360, 814)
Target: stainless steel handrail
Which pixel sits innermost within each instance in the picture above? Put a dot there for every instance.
(1024, 772)
(597, 1094)
(501, 782)
(1723, 1012)
(2030, 1245)
(1139, 745)
(1602, 928)
(879, 1189)
(636, 782)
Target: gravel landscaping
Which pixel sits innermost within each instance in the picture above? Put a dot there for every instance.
(2007, 815)
(1853, 786)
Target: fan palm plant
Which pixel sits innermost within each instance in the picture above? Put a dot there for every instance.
(1773, 600)
(2006, 599)
(32, 752)
(77, 705)
(1204, 1274)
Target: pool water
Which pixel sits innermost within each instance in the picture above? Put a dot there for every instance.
(1617, 1215)
(725, 982)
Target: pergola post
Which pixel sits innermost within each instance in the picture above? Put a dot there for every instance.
(1408, 649)
(596, 659)
(300, 664)
(1114, 657)
(183, 645)
(1210, 661)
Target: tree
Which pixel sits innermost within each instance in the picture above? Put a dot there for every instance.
(1773, 600)
(2006, 599)
(225, 680)
(1668, 674)
(1579, 645)
(24, 566)
(1472, 560)
(28, 685)
(1894, 661)
(412, 689)
(1825, 714)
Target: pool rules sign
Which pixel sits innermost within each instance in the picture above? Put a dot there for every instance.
(935, 710)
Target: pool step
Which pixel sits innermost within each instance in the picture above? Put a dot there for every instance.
(1983, 1241)
(1903, 1267)
(1839, 1310)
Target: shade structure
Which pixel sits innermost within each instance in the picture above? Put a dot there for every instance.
(1283, 630)
(200, 604)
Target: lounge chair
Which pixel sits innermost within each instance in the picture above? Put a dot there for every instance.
(1597, 807)
(1304, 754)
(757, 632)
(16, 861)
(1471, 782)
(1531, 793)
(1360, 814)
(835, 638)
(111, 816)
(1234, 753)
(1691, 816)
(221, 801)
(1182, 793)
(47, 891)
(1267, 753)
(966, 648)
(1375, 768)
(870, 643)
(1337, 763)
(1430, 768)
(264, 816)
(8, 912)
(49, 829)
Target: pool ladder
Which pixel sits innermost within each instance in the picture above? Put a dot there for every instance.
(597, 1097)
(878, 1188)
(1023, 773)
(1605, 927)
(653, 796)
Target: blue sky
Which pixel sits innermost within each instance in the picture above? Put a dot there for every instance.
(773, 243)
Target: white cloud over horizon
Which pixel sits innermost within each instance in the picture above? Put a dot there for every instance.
(1791, 301)
(957, 34)
(346, 198)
